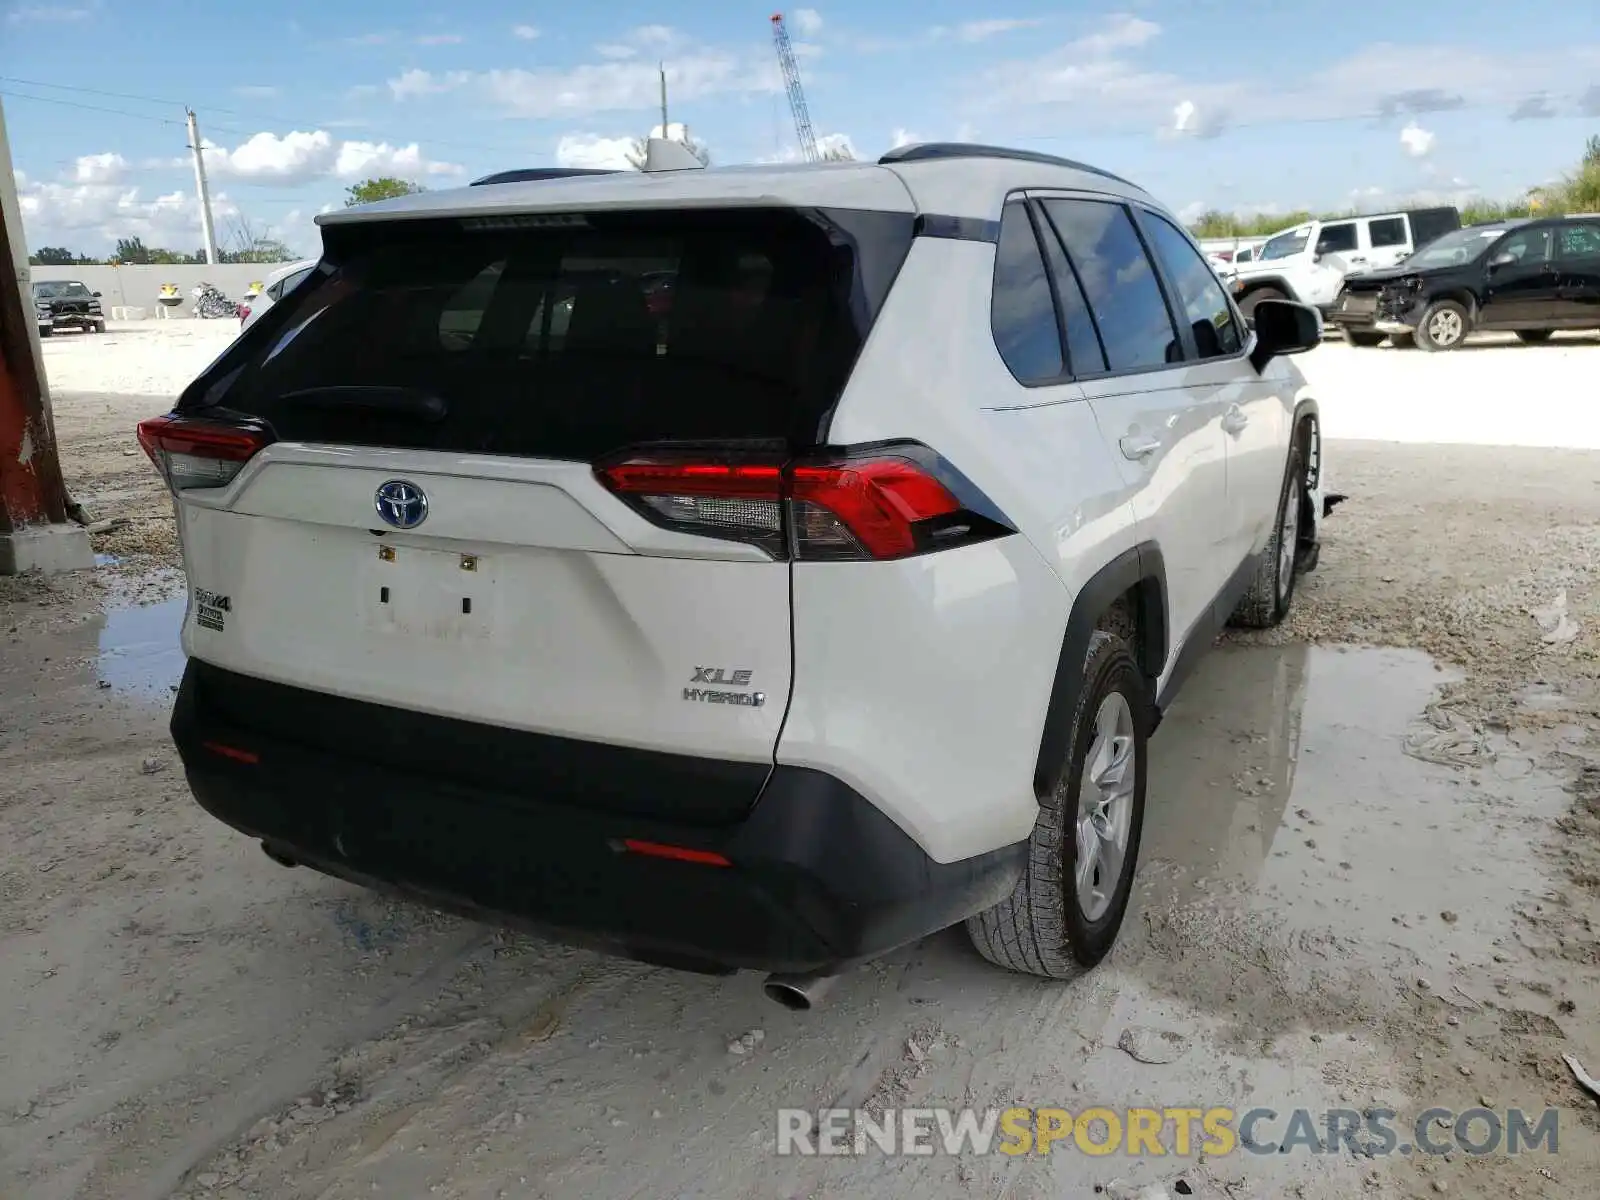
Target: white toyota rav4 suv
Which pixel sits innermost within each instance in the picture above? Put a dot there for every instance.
(738, 568)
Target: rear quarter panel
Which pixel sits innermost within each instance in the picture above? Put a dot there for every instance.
(925, 682)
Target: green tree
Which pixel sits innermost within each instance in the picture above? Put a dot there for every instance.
(52, 256)
(386, 187)
(132, 250)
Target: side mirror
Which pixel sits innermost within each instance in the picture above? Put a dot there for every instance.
(1284, 327)
(1501, 260)
(97, 295)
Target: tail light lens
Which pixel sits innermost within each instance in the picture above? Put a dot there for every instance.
(874, 505)
(193, 453)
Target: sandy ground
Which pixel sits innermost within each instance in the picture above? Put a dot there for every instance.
(1370, 881)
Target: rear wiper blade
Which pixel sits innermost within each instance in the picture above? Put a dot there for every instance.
(395, 401)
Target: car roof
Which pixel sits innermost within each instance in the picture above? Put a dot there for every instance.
(973, 185)
(288, 269)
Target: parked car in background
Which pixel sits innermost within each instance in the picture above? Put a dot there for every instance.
(1309, 262)
(1528, 277)
(282, 280)
(45, 318)
(71, 305)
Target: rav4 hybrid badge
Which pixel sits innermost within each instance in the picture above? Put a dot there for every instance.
(401, 503)
(722, 675)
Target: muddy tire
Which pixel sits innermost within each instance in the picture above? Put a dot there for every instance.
(1534, 337)
(1247, 304)
(1065, 912)
(1271, 591)
(1444, 326)
(1361, 337)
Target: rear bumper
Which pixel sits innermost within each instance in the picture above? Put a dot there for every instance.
(817, 877)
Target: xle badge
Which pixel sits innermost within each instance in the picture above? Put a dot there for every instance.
(210, 609)
(726, 678)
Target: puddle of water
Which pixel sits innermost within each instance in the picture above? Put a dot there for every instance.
(1283, 803)
(138, 653)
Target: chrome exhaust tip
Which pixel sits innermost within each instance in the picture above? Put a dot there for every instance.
(798, 993)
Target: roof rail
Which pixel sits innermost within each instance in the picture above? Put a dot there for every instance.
(533, 174)
(944, 151)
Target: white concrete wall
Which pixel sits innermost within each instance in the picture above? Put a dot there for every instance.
(140, 286)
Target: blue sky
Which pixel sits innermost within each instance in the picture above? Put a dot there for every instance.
(1235, 104)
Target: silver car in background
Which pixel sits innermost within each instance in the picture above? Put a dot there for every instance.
(280, 281)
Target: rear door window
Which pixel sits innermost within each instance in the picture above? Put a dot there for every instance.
(1579, 241)
(1387, 231)
(570, 338)
(1119, 282)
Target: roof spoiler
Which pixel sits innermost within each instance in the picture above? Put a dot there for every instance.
(664, 154)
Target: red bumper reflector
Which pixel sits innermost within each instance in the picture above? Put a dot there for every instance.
(233, 752)
(706, 858)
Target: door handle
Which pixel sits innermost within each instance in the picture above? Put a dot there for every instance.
(1137, 446)
(1234, 420)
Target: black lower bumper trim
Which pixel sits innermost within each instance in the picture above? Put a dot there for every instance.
(818, 878)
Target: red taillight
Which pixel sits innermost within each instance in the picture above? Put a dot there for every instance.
(193, 453)
(876, 506)
(704, 858)
(233, 752)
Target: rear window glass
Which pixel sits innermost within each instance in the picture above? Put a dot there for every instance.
(569, 341)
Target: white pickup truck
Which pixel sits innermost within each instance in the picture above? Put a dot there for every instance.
(1309, 262)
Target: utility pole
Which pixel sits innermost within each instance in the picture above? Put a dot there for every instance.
(203, 190)
(35, 510)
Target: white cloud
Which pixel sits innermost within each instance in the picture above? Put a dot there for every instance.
(655, 35)
(615, 50)
(1189, 120)
(1120, 32)
(90, 217)
(903, 137)
(836, 143)
(1533, 108)
(440, 39)
(99, 168)
(369, 39)
(588, 150)
(807, 21)
(982, 31)
(526, 33)
(1589, 102)
(1192, 212)
(417, 82)
(46, 14)
(299, 157)
(1417, 141)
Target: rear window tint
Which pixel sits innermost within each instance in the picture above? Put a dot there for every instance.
(572, 341)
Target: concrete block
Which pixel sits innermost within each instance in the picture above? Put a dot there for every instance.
(129, 312)
(48, 548)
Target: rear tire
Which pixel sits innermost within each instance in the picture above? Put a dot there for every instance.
(1266, 602)
(1247, 304)
(1055, 924)
(1534, 337)
(1444, 326)
(1361, 337)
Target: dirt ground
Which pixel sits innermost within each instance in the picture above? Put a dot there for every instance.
(1370, 881)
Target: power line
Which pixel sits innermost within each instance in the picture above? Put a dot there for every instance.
(265, 118)
(116, 112)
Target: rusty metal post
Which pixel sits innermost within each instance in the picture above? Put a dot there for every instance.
(35, 530)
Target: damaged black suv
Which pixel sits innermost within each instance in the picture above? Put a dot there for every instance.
(70, 305)
(1528, 277)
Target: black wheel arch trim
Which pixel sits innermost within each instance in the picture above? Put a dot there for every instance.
(1140, 570)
